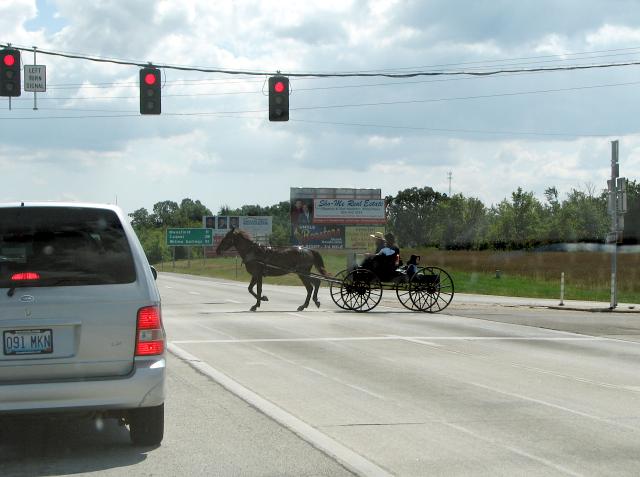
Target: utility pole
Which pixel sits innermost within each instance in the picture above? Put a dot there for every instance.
(617, 208)
(449, 177)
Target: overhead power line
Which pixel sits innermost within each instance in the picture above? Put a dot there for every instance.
(353, 105)
(410, 74)
(242, 115)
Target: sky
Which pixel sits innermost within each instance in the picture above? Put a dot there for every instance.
(213, 141)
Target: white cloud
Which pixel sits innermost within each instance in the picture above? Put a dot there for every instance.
(380, 142)
(613, 35)
(94, 159)
(552, 44)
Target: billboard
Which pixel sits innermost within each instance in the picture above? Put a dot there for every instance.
(260, 227)
(329, 217)
(257, 226)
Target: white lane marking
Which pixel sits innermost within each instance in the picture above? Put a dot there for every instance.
(555, 406)
(428, 343)
(398, 338)
(229, 300)
(476, 356)
(209, 328)
(167, 286)
(515, 450)
(297, 315)
(350, 459)
(193, 293)
(213, 281)
(418, 341)
(320, 373)
(282, 358)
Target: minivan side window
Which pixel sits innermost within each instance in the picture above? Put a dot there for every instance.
(59, 246)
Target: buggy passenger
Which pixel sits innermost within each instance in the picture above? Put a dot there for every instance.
(384, 263)
(412, 266)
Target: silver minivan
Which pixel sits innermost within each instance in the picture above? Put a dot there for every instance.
(80, 317)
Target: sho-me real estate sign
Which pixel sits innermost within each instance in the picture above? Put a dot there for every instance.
(336, 217)
(350, 211)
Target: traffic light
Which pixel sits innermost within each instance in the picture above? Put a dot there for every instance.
(278, 98)
(10, 72)
(150, 99)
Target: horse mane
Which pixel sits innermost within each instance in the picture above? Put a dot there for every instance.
(244, 234)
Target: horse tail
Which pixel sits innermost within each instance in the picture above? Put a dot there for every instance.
(319, 264)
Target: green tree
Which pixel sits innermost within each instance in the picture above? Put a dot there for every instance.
(165, 214)
(191, 212)
(583, 217)
(551, 215)
(477, 222)
(517, 223)
(141, 219)
(154, 244)
(411, 215)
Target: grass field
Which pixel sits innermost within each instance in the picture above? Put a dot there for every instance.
(527, 274)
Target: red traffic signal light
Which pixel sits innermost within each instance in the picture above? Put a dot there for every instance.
(10, 72)
(150, 79)
(278, 98)
(150, 91)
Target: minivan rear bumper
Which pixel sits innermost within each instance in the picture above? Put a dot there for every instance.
(143, 387)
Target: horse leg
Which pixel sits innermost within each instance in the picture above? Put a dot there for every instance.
(316, 287)
(255, 280)
(307, 284)
(252, 283)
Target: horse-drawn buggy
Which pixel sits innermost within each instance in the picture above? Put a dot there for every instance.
(427, 289)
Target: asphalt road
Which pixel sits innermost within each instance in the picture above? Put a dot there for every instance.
(480, 389)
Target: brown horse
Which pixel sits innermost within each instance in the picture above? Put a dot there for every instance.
(263, 261)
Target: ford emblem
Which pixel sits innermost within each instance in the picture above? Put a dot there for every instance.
(27, 298)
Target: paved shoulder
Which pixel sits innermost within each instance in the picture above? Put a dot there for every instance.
(208, 432)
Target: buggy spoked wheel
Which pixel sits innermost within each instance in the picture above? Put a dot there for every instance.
(361, 290)
(336, 290)
(431, 289)
(404, 295)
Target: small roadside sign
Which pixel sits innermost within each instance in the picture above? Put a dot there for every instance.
(35, 78)
(189, 236)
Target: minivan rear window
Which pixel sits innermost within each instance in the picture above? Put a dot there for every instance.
(60, 246)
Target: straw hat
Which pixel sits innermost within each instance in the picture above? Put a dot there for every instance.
(377, 235)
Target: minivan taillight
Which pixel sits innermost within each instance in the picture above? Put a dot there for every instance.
(149, 332)
(25, 276)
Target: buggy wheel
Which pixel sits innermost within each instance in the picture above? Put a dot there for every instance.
(361, 290)
(336, 290)
(431, 289)
(404, 295)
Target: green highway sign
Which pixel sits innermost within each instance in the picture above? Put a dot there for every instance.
(188, 237)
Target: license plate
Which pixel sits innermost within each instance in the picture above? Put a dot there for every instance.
(27, 342)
